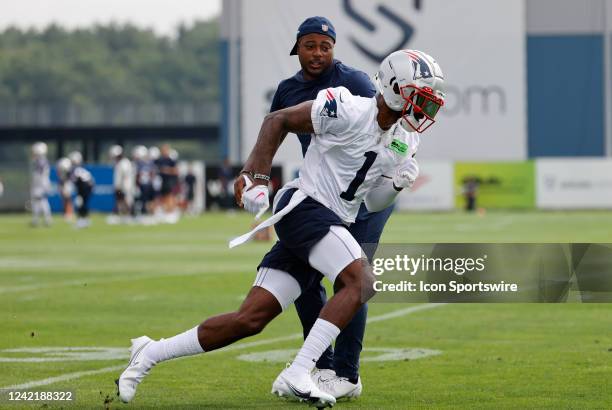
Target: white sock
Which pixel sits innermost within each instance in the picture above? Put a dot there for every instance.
(320, 337)
(184, 344)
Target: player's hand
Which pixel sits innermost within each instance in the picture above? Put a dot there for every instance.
(406, 174)
(255, 199)
(240, 184)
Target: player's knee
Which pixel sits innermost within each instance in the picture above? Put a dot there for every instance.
(251, 323)
(367, 284)
(248, 326)
(357, 278)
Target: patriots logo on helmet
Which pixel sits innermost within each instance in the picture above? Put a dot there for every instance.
(421, 67)
(330, 109)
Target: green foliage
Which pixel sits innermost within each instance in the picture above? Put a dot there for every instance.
(107, 64)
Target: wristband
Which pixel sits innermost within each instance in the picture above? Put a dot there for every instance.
(256, 175)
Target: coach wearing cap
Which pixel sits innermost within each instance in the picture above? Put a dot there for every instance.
(314, 46)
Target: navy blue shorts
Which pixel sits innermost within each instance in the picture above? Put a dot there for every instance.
(298, 232)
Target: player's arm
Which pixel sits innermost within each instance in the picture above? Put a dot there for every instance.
(384, 193)
(275, 127)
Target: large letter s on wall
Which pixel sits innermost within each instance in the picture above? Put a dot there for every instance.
(406, 29)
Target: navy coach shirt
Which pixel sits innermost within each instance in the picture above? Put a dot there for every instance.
(295, 90)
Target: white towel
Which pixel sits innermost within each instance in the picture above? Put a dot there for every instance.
(298, 196)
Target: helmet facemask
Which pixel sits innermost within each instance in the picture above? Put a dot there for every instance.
(421, 106)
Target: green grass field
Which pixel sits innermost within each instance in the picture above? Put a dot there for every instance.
(98, 288)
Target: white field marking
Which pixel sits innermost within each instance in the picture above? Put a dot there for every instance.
(403, 312)
(66, 354)
(385, 354)
(80, 282)
(6, 263)
(241, 346)
(61, 378)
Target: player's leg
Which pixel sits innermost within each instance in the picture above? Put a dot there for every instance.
(259, 307)
(272, 292)
(339, 256)
(367, 229)
(36, 211)
(308, 307)
(82, 200)
(46, 210)
(257, 310)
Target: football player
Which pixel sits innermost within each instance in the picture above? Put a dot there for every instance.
(64, 186)
(362, 150)
(144, 179)
(337, 371)
(123, 182)
(40, 184)
(84, 183)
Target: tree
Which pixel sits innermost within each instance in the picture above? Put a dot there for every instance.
(109, 64)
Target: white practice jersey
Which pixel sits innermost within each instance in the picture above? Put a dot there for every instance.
(350, 152)
(40, 183)
(124, 176)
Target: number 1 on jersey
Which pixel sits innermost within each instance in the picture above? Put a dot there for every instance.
(349, 194)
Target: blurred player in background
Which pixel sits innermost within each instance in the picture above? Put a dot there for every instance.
(337, 371)
(65, 187)
(145, 172)
(178, 184)
(190, 182)
(123, 182)
(226, 179)
(154, 155)
(470, 192)
(168, 172)
(40, 184)
(84, 183)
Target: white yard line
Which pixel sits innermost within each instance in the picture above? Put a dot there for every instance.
(61, 378)
(82, 282)
(77, 375)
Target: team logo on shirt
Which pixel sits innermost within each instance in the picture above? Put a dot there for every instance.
(330, 109)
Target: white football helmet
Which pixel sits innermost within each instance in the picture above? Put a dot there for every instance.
(76, 158)
(64, 165)
(115, 151)
(140, 152)
(411, 82)
(154, 153)
(39, 149)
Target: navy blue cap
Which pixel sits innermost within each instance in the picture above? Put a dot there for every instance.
(317, 24)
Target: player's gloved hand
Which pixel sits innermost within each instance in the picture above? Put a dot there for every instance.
(405, 174)
(255, 198)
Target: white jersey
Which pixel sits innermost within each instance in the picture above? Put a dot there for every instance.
(350, 152)
(40, 183)
(123, 176)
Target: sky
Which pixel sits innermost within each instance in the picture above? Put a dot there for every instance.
(160, 15)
